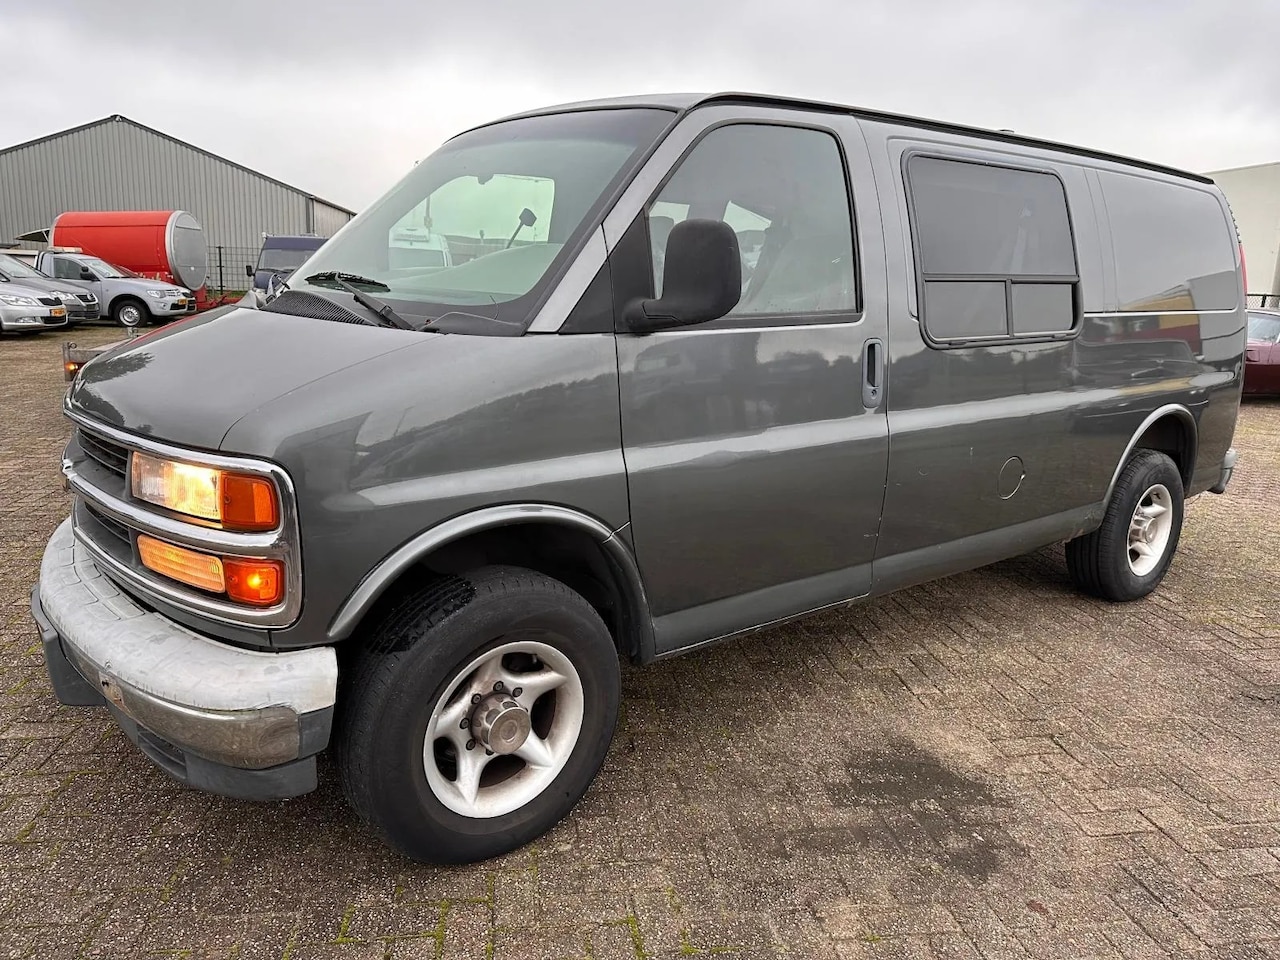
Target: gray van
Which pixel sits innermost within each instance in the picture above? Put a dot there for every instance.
(697, 365)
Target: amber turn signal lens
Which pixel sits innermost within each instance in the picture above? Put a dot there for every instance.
(248, 503)
(179, 563)
(256, 582)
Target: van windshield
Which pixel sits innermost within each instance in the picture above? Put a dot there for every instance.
(281, 259)
(479, 224)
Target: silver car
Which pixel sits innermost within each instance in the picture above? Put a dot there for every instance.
(25, 309)
(81, 304)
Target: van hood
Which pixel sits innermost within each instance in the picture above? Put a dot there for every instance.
(189, 382)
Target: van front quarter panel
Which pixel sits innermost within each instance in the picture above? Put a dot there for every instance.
(414, 438)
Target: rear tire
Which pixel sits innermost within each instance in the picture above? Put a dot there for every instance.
(1127, 557)
(426, 685)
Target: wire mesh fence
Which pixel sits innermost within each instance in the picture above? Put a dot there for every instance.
(1264, 301)
(226, 268)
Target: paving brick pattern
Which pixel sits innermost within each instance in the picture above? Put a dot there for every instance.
(987, 767)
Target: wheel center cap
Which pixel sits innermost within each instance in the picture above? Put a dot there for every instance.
(500, 723)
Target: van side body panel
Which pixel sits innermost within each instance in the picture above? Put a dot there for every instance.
(1066, 409)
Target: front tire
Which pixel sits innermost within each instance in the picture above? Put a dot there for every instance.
(1127, 557)
(478, 714)
(130, 313)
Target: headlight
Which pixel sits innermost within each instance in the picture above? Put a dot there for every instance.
(159, 294)
(237, 501)
(16, 301)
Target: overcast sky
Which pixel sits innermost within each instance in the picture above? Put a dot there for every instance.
(340, 98)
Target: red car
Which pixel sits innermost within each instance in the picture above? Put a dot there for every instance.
(1262, 355)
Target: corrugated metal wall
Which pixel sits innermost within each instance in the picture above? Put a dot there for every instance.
(117, 165)
(327, 219)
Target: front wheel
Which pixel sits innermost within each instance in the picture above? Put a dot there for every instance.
(1128, 556)
(129, 313)
(478, 714)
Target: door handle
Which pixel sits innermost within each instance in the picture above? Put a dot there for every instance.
(872, 373)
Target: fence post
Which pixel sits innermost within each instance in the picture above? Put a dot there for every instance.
(222, 287)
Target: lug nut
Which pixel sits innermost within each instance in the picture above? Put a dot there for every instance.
(488, 752)
(471, 744)
(466, 722)
(517, 691)
(497, 687)
(475, 698)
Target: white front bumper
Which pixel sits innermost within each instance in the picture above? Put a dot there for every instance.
(235, 706)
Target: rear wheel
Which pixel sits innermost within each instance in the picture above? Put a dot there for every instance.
(479, 714)
(130, 313)
(1128, 556)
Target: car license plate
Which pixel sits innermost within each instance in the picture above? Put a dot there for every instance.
(58, 312)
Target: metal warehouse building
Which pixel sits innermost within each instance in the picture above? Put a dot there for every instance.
(1254, 195)
(118, 164)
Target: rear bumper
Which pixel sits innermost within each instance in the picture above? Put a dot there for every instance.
(1228, 467)
(244, 723)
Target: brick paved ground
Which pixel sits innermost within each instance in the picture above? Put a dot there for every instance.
(990, 766)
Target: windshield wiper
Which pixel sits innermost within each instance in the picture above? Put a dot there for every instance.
(386, 316)
(339, 277)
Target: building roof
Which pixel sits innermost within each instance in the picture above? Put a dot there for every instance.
(118, 118)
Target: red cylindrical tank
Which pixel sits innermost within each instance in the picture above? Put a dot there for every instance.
(161, 244)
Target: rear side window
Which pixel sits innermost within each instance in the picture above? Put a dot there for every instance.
(66, 269)
(1175, 248)
(994, 251)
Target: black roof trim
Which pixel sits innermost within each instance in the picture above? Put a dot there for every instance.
(687, 101)
(119, 118)
(948, 127)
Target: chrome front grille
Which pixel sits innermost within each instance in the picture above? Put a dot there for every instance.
(108, 520)
(111, 455)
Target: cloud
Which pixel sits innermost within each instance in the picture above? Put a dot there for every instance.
(341, 99)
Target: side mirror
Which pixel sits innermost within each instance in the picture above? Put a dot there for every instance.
(87, 274)
(248, 270)
(701, 279)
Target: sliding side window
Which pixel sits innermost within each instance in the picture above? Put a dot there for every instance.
(994, 252)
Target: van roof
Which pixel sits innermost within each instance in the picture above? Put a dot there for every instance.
(683, 102)
(291, 241)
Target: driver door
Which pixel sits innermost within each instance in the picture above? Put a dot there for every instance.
(755, 459)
